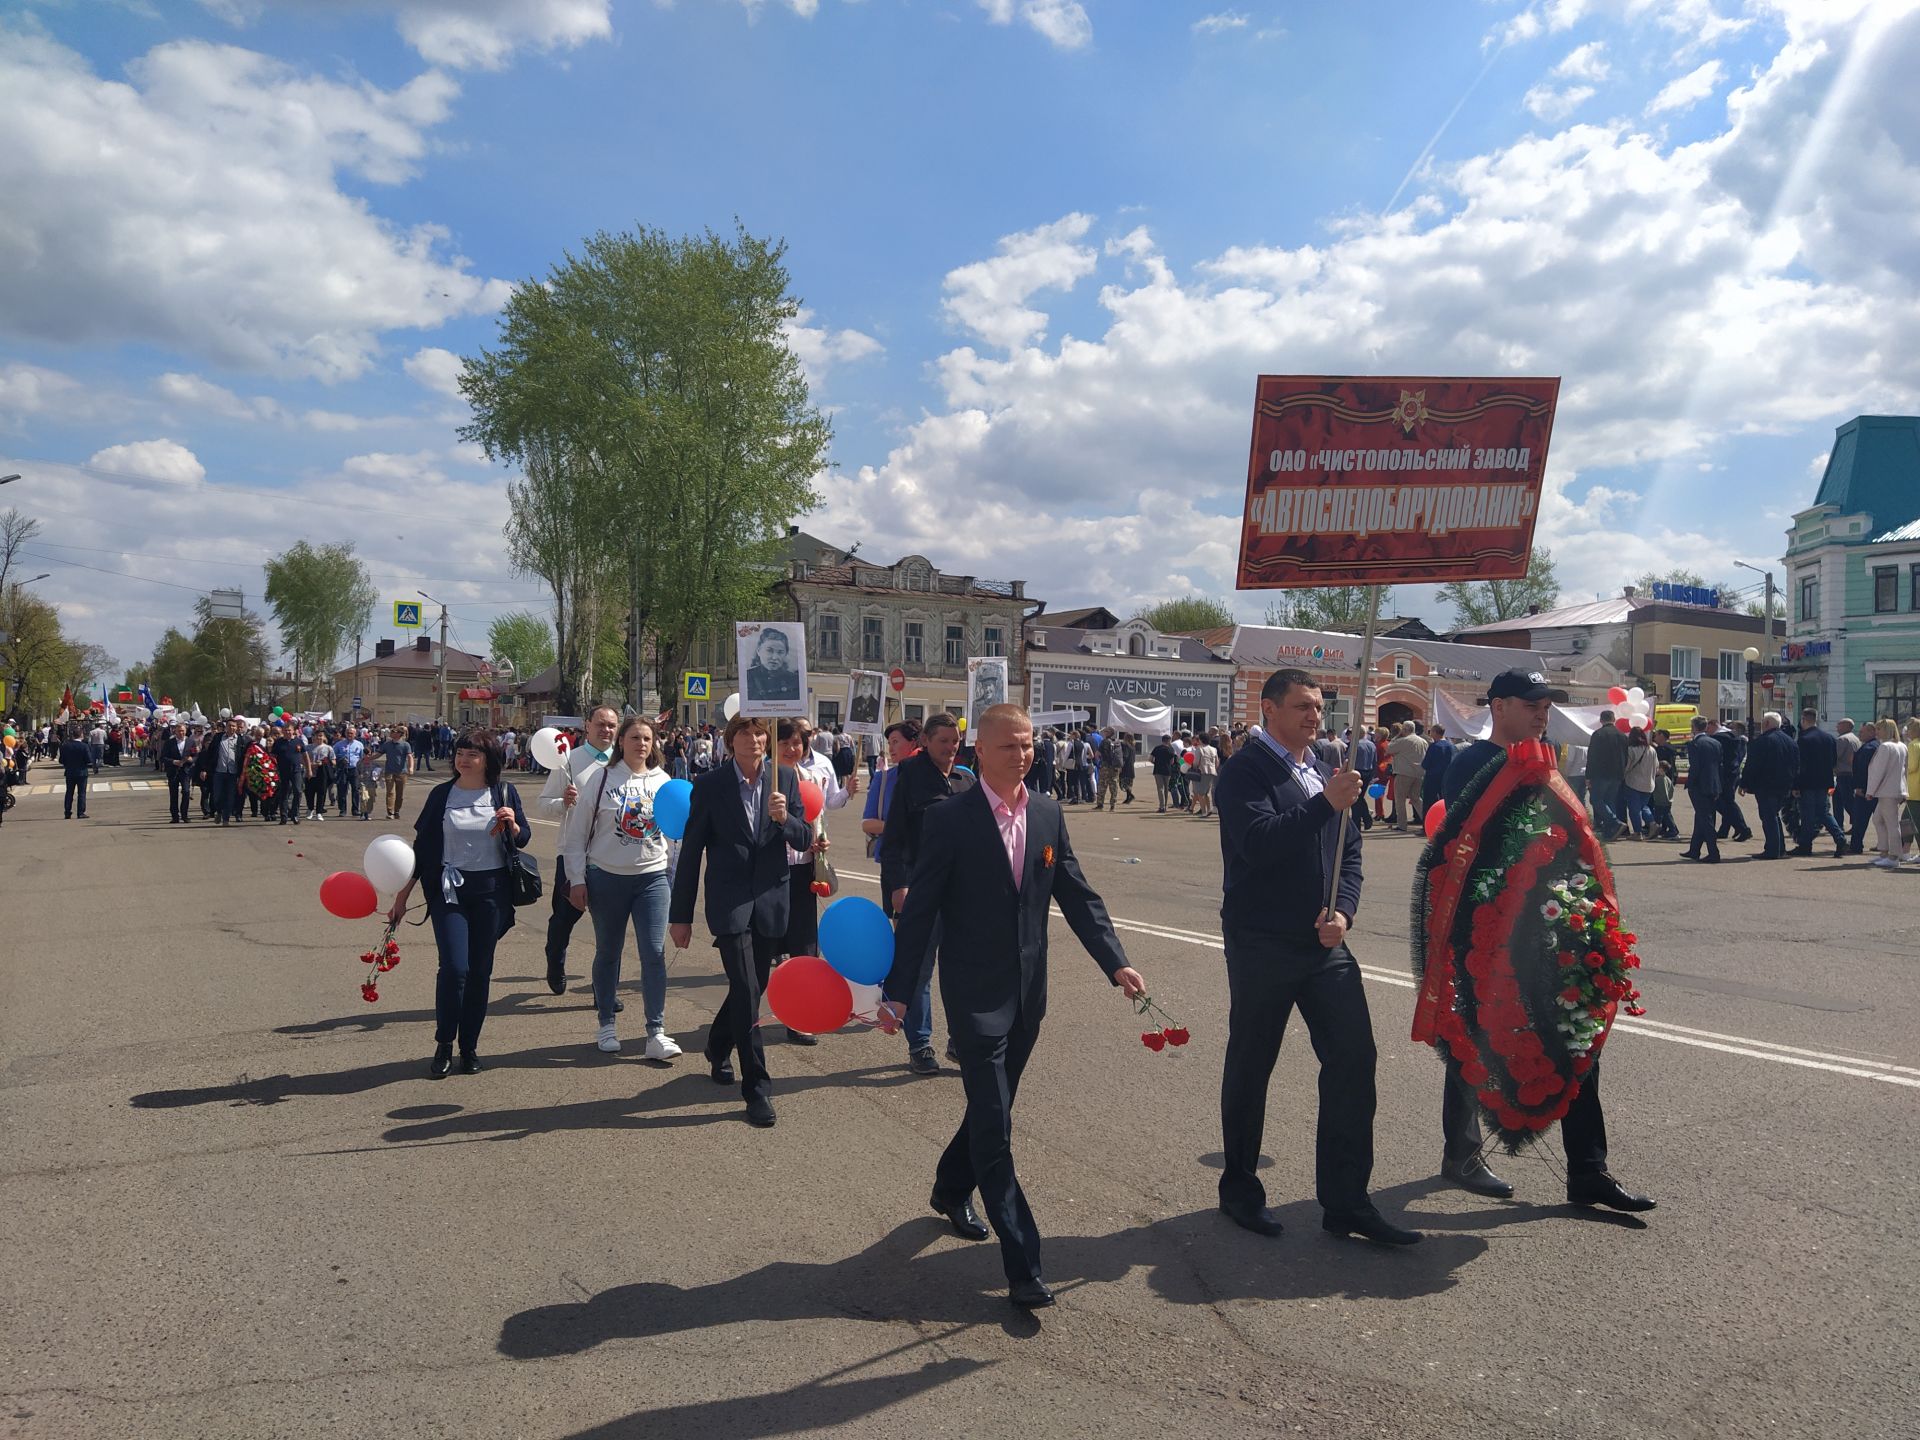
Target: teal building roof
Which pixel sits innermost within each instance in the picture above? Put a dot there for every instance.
(1874, 470)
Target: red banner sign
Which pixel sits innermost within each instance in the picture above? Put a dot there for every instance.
(1356, 480)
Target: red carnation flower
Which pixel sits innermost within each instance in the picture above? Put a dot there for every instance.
(1567, 957)
(1177, 1035)
(1571, 994)
(1154, 1039)
(821, 888)
(369, 992)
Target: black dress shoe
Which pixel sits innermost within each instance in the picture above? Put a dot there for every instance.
(760, 1112)
(1030, 1294)
(1257, 1218)
(557, 978)
(1371, 1225)
(1602, 1189)
(962, 1216)
(469, 1063)
(800, 1037)
(442, 1063)
(1473, 1174)
(721, 1071)
(1689, 855)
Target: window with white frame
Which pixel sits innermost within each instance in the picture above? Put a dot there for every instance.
(1733, 665)
(996, 638)
(1685, 662)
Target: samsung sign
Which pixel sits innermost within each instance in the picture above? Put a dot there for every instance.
(1687, 594)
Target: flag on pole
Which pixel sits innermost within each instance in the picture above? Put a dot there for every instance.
(146, 698)
(66, 705)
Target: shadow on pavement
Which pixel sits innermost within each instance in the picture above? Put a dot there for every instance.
(272, 1089)
(815, 1405)
(1193, 1259)
(504, 1002)
(690, 1087)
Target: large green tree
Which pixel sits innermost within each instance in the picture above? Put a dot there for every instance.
(1191, 612)
(319, 595)
(171, 669)
(664, 427)
(1481, 602)
(230, 658)
(524, 640)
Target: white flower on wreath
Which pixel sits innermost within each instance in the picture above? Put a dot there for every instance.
(1552, 911)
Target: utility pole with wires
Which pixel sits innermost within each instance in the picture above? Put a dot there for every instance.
(440, 681)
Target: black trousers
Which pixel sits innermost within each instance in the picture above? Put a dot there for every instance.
(1706, 810)
(1583, 1130)
(561, 922)
(746, 959)
(980, 1155)
(1772, 826)
(1859, 815)
(1730, 814)
(1266, 981)
(179, 794)
(77, 785)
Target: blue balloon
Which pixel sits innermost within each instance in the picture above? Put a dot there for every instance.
(1376, 790)
(856, 939)
(670, 806)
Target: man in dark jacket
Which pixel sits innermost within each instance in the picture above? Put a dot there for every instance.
(1606, 776)
(1285, 919)
(1433, 767)
(1862, 801)
(989, 868)
(176, 758)
(1773, 765)
(1818, 754)
(742, 819)
(76, 761)
(1705, 758)
(1733, 754)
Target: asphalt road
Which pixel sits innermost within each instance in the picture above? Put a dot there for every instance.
(235, 1206)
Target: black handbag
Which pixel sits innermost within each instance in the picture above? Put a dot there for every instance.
(523, 870)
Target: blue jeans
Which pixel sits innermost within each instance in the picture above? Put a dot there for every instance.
(1639, 807)
(1603, 804)
(467, 935)
(614, 901)
(1816, 815)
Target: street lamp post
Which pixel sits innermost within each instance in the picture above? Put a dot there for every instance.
(1766, 630)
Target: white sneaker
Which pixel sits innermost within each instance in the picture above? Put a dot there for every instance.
(608, 1040)
(661, 1047)
(1886, 862)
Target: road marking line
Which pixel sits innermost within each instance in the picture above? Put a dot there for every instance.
(1849, 1065)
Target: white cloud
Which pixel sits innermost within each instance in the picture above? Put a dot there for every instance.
(472, 34)
(989, 297)
(1219, 24)
(1698, 23)
(436, 369)
(1766, 278)
(27, 390)
(819, 348)
(1587, 62)
(203, 394)
(199, 208)
(1064, 22)
(156, 459)
(1554, 104)
(1689, 89)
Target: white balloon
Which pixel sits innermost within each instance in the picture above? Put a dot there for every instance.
(546, 748)
(1635, 695)
(388, 863)
(730, 707)
(866, 999)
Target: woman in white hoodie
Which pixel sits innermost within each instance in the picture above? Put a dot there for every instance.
(1887, 784)
(611, 840)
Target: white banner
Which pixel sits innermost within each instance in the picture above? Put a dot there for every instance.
(1153, 720)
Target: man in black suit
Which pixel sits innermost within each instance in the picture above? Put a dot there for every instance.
(176, 758)
(1281, 829)
(1706, 758)
(1733, 754)
(1819, 753)
(990, 863)
(742, 818)
(1772, 768)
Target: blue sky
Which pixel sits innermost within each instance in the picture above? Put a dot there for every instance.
(1044, 246)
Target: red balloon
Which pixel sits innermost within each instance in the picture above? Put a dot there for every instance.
(348, 894)
(809, 995)
(1436, 817)
(1616, 696)
(812, 800)
(1623, 725)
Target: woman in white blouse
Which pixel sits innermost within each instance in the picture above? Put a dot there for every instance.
(1887, 784)
(612, 842)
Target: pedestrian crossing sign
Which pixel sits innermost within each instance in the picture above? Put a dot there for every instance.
(696, 686)
(406, 614)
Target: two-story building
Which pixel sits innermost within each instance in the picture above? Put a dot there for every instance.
(402, 685)
(1684, 647)
(909, 616)
(1853, 578)
(1080, 659)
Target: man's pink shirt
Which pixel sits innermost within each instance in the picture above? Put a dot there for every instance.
(1012, 820)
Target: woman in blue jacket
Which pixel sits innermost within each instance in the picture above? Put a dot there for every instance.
(461, 849)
